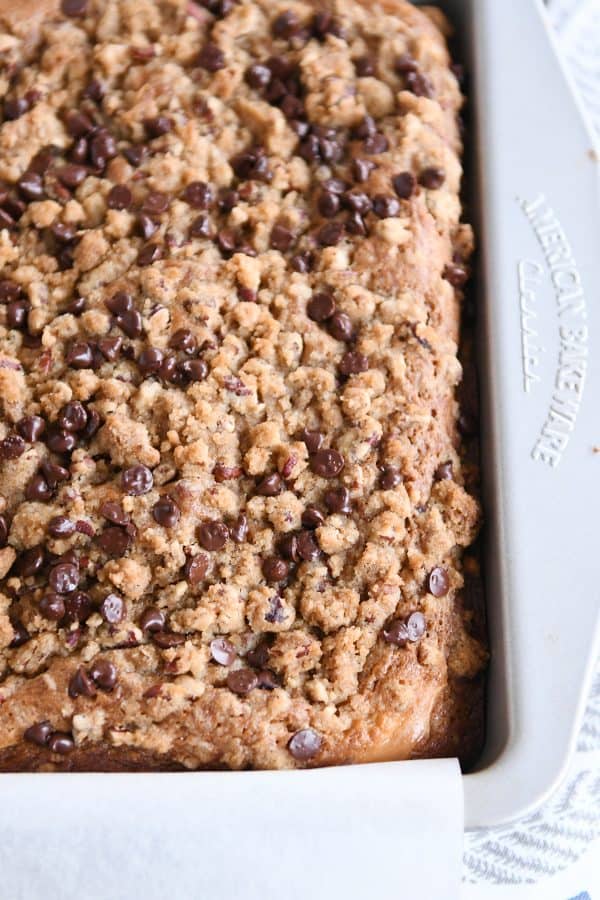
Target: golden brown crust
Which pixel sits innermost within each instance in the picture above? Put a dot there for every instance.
(263, 368)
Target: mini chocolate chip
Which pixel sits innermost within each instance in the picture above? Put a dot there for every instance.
(72, 175)
(59, 441)
(6, 221)
(330, 234)
(168, 639)
(275, 569)
(228, 200)
(64, 234)
(149, 254)
(405, 63)
(9, 290)
(64, 578)
(312, 439)
(321, 306)
(327, 463)
(267, 680)
(353, 362)
(81, 685)
(432, 178)
(444, 472)
(37, 489)
(198, 194)
(52, 607)
(396, 633)
(302, 262)
(213, 535)
(416, 626)
(4, 529)
(102, 148)
(155, 203)
(74, 8)
(61, 742)
(110, 347)
(135, 154)
(94, 91)
(385, 206)
(152, 619)
(73, 416)
(112, 609)
(281, 238)
(258, 76)
(76, 306)
(12, 447)
(114, 541)
(31, 186)
(391, 477)
(104, 673)
(222, 651)
(79, 151)
(166, 512)
(337, 500)
(438, 582)
(119, 303)
(288, 547)
(137, 480)
(80, 355)
(201, 227)
(195, 568)
(239, 529)
(78, 607)
(149, 360)
(404, 184)
(39, 733)
(364, 66)
(366, 128)
(114, 512)
(418, 84)
(119, 197)
(312, 517)
(286, 24)
(270, 485)
(258, 656)
(54, 473)
(211, 58)
(183, 339)
(308, 549)
(305, 744)
(194, 369)
(340, 327)
(375, 144)
(17, 312)
(14, 208)
(158, 126)
(242, 681)
(60, 526)
(355, 224)
(328, 204)
(130, 322)
(357, 201)
(456, 274)
(227, 241)
(20, 635)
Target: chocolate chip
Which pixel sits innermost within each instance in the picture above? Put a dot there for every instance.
(64, 578)
(211, 58)
(275, 613)
(222, 651)
(20, 635)
(288, 547)
(239, 529)
(385, 206)
(4, 528)
(258, 76)
(158, 126)
(396, 633)
(166, 512)
(16, 313)
(227, 241)
(37, 489)
(328, 204)
(76, 306)
(166, 640)
(114, 541)
(226, 473)
(54, 473)
(327, 463)
(149, 254)
(31, 186)
(312, 517)
(195, 568)
(119, 303)
(198, 194)
(375, 144)
(312, 439)
(357, 201)
(110, 347)
(74, 8)
(60, 741)
(416, 626)
(79, 151)
(149, 360)
(286, 24)
(418, 84)
(80, 356)
(152, 619)
(119, 197)
(330, 234)
(213, 535)
(270, 485)
(137, 480)
(228, 200)
(72, 175)
(14, 208)
(112, 609)
(281, 238)
(6, 221)
(391, 477)
(242, 681)
(78, 607)
(60, 441)
(94, 91)
(102, 148)
(305, 744)
(366, 128)
(39, 733)
(12, 447)
(456, 274)
(60, 526)
(73, 416)
(404, 184)
(340, 327)
(155, 203)
(308, 549)
(131, 321)
(104, 673)
(64, 234)
(438, 582)
(353, 362)
(201, 227)
(194, 369)
(355, 224)
(275, 569)
(9, 290)
(114, 512)
(52, 607)
(337, 500)
(302, 262)
(14, 108)
(432, 178)
(135, 154)
(321, 306)
(81, 685)
(364, 66)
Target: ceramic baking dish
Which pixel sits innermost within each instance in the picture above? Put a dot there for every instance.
(533, 193)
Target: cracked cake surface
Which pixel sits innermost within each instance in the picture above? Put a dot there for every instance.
(237, 490)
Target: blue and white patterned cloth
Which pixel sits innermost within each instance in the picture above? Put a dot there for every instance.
(554, 854)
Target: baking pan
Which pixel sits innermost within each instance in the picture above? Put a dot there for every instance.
(533, 193)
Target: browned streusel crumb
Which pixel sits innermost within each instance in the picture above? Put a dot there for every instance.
(232, 497)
